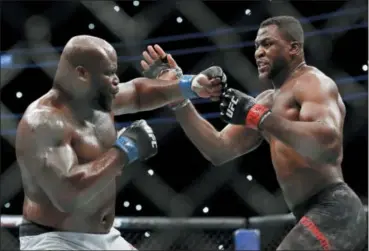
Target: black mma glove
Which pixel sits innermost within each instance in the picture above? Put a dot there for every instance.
(241, 109)
(192, 89)
(159, 67)
(215, 72)
(137, 141)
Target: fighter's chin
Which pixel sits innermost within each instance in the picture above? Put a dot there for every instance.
(263, 76)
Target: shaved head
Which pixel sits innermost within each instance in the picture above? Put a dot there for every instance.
(86, 51)
(87, 69)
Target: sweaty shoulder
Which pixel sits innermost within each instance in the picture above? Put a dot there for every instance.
(315, 83)
(40, 124)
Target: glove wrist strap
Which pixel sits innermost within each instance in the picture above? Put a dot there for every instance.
(185, 83)
(256, 115)
(129, 147)
(180, 105)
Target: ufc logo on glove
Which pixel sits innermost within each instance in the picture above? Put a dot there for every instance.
(153, 140)
(231, 106)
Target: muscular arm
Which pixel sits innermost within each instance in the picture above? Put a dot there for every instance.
(217, 147)
(44, 149)
(142, 94)
(317, 135)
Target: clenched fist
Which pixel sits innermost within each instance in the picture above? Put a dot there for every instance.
(209, 83)
(160, 65)
(241, 109)
(137, 141)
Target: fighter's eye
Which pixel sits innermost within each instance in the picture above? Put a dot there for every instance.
(110, 72)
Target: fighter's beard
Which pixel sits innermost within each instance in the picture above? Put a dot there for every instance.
(278, 78)
(284, 73)
(103, 102)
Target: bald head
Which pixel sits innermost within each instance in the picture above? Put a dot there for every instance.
(86, 51)
(87, 68)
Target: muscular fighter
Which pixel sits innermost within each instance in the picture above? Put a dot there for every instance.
(302, 119)
(70, 153)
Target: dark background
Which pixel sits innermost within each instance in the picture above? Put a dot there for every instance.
(178, 163)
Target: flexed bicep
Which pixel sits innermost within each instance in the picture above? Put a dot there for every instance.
(43, 152)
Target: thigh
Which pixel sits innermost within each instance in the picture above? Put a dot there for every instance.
(324, 231)
(305, 236)
(45, 242)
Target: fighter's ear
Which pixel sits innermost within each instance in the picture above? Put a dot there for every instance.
(82, 73)
(296, 48)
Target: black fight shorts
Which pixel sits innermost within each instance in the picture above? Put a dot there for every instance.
(333, 219)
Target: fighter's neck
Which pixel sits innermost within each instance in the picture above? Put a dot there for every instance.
(286, 74)
(81, 108)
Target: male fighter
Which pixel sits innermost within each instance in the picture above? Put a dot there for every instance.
(70, 153)
(302, 119)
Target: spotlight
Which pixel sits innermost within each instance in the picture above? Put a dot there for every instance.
(150, 172)
(205, 210)
(7, 205)
(221, 247)
(91, 26)
(126, 204)
(179, 20)
(116, 8)
(365, 67)
(136, 3)
(249, 177)
(19, 94)
(147, 234)
(248, 12)
(138, 207)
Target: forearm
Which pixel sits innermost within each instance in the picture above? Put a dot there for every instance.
(313, 140)
(89, 181)
(154, 93)
(202, 134)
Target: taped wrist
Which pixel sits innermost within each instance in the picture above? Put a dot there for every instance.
(255, 115)
(129, 147)
(185, 85)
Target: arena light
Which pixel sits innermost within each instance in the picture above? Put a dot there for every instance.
(248, 12)
(126, 204)
(194, 50)
(91, 26)
(19, 94)
(116, 8)
(249, 177)
(6, 59)
(138, 207)
(221, 247)
(150, 172)
(7, 205)
(179, 20)
(205, 210)
(365, 67)
(147, 234)
(136, 3)
(239, 29)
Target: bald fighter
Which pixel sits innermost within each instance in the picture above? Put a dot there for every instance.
(302, 119)
(70, 153)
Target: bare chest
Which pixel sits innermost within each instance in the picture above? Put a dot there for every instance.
(283, 104)
(284, 158)
(92, 138)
